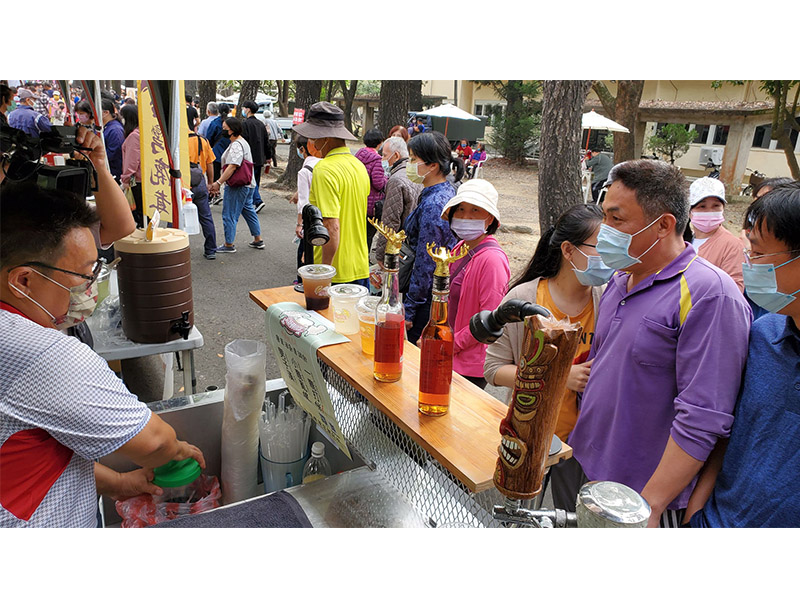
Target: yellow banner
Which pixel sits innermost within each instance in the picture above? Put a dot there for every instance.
(156, 191)
(184, 143)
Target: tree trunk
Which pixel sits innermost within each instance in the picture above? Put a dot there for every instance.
(283, 96)
(190, 87)
(559, 154)
(414, 95)
(782, 122)
(307, 92)
(624, 109)
(207, 90)
(349, 94)
(514, 112)
(393, 105)
(248, 92)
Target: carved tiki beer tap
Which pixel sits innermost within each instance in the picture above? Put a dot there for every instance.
(548, 350)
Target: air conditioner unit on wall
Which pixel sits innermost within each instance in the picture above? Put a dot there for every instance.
(712, 153)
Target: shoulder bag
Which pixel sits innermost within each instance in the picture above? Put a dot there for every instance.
(243, 174)
(406, 260)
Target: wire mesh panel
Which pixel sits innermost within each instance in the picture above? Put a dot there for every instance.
(435, 492)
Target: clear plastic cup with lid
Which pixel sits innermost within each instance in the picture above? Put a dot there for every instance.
(366, 322)
(345, 296)
(316, 283)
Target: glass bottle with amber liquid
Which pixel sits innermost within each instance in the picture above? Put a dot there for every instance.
(390, 319)
(436, 355)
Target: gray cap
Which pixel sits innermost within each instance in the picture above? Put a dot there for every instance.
(324, 120)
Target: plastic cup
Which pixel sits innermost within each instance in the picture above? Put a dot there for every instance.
(316, 282)
(366, 323)
(345, 296)
(281, 475)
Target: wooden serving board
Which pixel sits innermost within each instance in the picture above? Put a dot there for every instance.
(464, 440)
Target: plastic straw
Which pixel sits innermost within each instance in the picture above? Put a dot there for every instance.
(283, 431)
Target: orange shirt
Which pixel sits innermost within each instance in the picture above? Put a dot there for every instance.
(205, 154)
(568, 413)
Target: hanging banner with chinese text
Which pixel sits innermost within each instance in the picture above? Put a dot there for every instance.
(299, 116)
(294, 335)
(156, 190)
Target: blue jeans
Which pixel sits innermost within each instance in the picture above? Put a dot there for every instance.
(200, 199)
(239, 202)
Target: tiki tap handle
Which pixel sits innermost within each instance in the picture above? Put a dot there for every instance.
(487, 326)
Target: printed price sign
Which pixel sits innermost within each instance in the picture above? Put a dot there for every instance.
(299, 116)
(294, 335)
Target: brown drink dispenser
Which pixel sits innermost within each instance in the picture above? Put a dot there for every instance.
(155, 286)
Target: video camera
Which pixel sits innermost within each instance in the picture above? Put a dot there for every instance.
(22, 156)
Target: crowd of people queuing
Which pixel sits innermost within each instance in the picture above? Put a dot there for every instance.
(684, 385)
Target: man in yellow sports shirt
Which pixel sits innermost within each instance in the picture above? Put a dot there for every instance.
(339, 189)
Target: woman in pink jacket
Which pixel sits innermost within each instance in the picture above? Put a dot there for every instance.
(480, 279)
(373, 161)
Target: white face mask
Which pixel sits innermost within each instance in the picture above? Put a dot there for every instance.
(468, 229)
(82, 302)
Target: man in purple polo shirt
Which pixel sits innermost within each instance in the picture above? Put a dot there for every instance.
(669, 347)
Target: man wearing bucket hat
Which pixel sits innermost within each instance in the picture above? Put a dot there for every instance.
(480, 279)
(339, 189)
(710, 239)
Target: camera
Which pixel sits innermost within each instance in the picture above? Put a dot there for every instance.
(22, 155)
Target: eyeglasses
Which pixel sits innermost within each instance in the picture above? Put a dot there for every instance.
(90, 279)
(749, 256)
(589, 245)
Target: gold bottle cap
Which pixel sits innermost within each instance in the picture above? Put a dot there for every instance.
(394, 239)
(443, 257)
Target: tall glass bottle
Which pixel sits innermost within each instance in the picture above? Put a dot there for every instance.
(390, 320)
(436, 356)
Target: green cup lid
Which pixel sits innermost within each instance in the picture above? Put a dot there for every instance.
(177, 473)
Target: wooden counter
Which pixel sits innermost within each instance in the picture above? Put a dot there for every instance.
(464, 440)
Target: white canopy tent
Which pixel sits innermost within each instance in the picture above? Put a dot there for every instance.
(260, 97)
(592, 120)
(448, 111)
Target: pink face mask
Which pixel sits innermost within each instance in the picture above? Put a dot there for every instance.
(707, 221)
(83, 118)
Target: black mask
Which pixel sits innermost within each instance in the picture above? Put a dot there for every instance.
(226, 134)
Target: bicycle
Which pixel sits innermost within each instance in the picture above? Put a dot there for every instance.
(756, 178)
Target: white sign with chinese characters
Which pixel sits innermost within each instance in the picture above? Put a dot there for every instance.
(294, 335)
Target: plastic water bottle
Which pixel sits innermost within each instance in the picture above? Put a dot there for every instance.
(317, 466)
(192, 225)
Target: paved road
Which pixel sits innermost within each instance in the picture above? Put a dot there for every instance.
(223, 310)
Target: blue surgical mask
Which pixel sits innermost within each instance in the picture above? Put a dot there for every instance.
(300, 154)
(596, 272)
(613, 245)
(761, 286)
(386, 167)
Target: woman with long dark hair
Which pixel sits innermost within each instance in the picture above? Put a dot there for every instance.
(131, 160)
(567, 277)
(429, 163)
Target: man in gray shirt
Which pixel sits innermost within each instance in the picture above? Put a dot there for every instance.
(600, 165)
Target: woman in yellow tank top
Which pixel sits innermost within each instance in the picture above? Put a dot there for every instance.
(566, 276)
